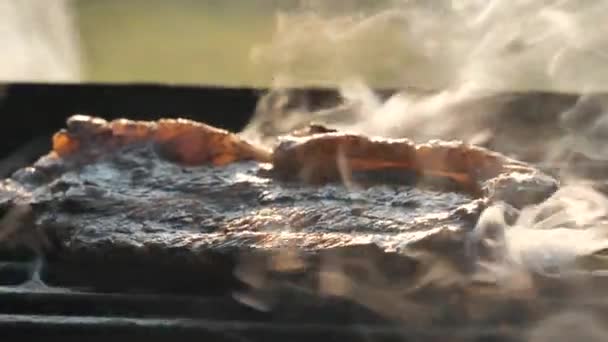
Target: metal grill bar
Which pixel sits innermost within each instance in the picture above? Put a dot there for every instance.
(160, 329)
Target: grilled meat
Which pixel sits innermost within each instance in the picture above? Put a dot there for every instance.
(177, 192)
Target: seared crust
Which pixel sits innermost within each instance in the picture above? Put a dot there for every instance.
(482, 173)
(316, 155)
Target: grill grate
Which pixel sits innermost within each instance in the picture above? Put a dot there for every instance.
(30, 309)
(159, 318)
(39, 311)
(96, 329)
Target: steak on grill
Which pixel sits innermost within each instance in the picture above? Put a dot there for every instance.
(124, 196)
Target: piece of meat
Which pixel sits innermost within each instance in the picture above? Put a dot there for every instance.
(116, 197)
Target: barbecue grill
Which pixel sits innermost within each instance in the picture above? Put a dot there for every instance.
(104, 301)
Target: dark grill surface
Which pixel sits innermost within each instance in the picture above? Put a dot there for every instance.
(33, 310)
(96, 317)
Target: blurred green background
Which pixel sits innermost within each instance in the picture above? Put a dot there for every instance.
(384, 43)
(184, 41)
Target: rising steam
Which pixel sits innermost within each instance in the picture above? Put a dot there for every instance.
(466, 50)
(471, 53)
(500, 45)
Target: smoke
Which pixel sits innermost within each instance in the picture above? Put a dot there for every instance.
(458, 64)
(552, 237)
(469, 52)
(40, 42)
(522, 44)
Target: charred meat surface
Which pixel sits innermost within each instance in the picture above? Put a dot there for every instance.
(183, 194)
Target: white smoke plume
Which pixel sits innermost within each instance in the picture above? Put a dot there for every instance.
(465, 50)
(470, 53)
(522, 44)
